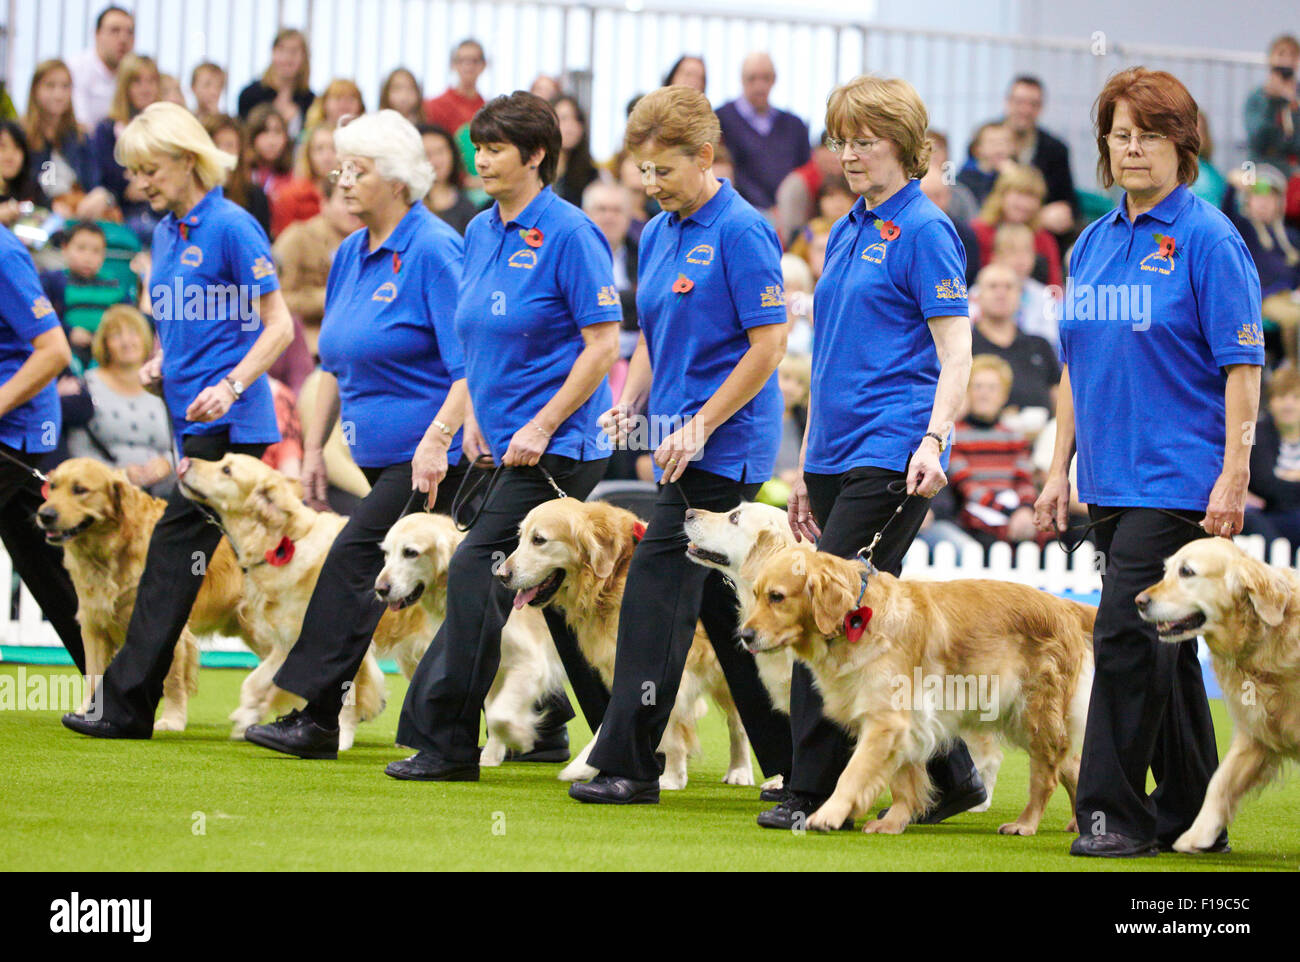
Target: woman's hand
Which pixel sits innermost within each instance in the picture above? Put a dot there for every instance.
(1052, 509)
(527, 446)
(315, 479)
(925, 474)
(799, 511)
(679, 448)
(1226, 512)
(617, 422)
(211, 404)
(151, 374)
(473, 444)
(429, 465)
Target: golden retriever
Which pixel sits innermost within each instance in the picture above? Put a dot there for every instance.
(417, 553)
(1249, 615)
(738, 543)
(104, 522)
(281, 544)
(931, 661)
(575, 555)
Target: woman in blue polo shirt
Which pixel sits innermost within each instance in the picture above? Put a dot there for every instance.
(33, 351)
(221, 323)
(712, 314)
(538, 318)
(393, 366)
(1159, 390)
(891, 358)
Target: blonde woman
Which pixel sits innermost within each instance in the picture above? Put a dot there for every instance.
(54, 138)
(286, 82)
(1017, 198)
(209, 371)
(342, 98)
(138, 86)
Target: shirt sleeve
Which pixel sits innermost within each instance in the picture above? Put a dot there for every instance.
(585, 275)
(23, 303)
(936, 276)
(442, 284)
(248, 255)
(1228, 301)
(753, 270)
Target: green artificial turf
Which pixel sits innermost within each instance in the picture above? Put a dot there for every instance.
(72, 803)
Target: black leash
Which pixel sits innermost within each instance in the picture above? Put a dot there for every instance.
(464, 496)
(26, 467)
(897, 486)
(1085, 528)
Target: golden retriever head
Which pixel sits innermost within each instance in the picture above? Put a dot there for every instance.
(417, 553)
(804, 596)
(82, 493)
(739, 541)
(568, 549)
(1213, 588)
(255, 502)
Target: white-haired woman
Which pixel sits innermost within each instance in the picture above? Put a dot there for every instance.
(214, 353)
(392, 362)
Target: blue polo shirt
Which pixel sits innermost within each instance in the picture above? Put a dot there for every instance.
(874, 364)
(388, 336)
(1148, 380)
(25, 314)
(731, 258)
(209, 269)
(520, 318)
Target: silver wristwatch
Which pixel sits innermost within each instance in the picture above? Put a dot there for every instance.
(236, 387)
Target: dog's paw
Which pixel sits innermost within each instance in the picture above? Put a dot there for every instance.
(1192, 842)
(1017, 828)
(1073, 827)
(578, 772)
(166, 724)
(739, 776)
(776, 781)
(346, 738)
(983, 806)
(671, 783)
(885, 826)
(493, 754)
(830, 816)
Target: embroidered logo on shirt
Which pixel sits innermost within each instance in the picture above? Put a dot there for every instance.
(875, 253)
(700, 254)
(386, 292)
(263, 268)
(41, 307)
(523, 258)
(1162, 260)
(1250, 335)
(607, 296)
(950, 289)
(192, 256)
(772, 296)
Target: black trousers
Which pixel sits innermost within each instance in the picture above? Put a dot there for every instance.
(182, 543)
(38, 563)
(850, 508)
(666, 595)
(443, 702)
(1148, 707)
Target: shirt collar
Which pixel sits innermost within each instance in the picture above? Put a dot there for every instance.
(712, 207)
(199, 211)
(401, 235)
(531, 215)
(891, 208)
(1166, 211)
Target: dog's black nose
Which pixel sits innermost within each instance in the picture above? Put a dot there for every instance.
(382, 590)
(690, 514)
(747, 635)
(1142, 602)
(47, 516)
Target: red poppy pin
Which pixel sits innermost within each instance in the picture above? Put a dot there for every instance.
(683, 284)
(281, 554)
(888, 229)
(532, 237)
(1168, 246)
(638, 531)
(185, 232)
(855, 623)
(397, 263)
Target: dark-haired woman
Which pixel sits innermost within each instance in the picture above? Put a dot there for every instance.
(447, 197)
(576, 168)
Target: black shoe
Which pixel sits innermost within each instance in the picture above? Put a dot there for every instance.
(616, 790)
(550, 746)
(1112, 845)
(296, 734)
(793, 812)
(102, 727)
(774, 794)
(1220, 846)
(961, 799)
(428, 767)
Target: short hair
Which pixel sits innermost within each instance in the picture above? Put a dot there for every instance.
(99, 21)
(1286, 40)
(991, 362)
(795, 273)
(995, 266)
(525, 121)
(205, 67)
(167, 128)
(393, 143)
(1025, 78)
(84, 227)
(677, 116)
(1009, 234)
(117, 316)
(468, 42)
(891, 108)
(1019, 177)
(338, 87)
(1285, 380)
(1159, 103)
(597, 185)
(457, 161)
(128, 71)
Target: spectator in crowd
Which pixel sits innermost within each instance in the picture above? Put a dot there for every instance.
(1017, 198)
(402, 92)
(304, 253)
(1273, 109)
(286, 83)
(61, 160)
(455, 107)
(765, 143)
(798, 279)
(689, 71)
(272, 166)
(17, 185)
(796, 197)
(641, 206)
(169, 89)
(1013, 246)
(129, 427)
(137, 87)
(285, 455)
(959, 203)
(991, 472)
(78, 292)
(1050, 156)
(94, 70)
(1275, 249)
(447, 197)
(947, 197)
(300, 197)
(208, 84)
(1273, 505)
(547, 87)
(228, 133)
(341, 98)
(1210, 184)
(606, 204)
(834, 198)
(577, 169)
(794, 374)
(811, 245)
(990, 155)
(1034, 368)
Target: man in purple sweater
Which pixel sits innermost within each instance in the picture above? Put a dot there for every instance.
(765, 143)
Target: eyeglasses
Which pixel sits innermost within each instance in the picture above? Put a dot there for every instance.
(346, 170)
(1120, 139)
(860, 145)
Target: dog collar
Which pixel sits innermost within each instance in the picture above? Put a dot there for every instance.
(276, 557)
(855, 622)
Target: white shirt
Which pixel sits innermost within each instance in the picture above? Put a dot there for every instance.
(93, 86)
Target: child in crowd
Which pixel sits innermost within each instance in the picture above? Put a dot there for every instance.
(79, 292)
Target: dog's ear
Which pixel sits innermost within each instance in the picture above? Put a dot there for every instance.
(267, 508)
(118, 492)
(1267, 590)
(296, 487)
(600, 543)
(831, 593)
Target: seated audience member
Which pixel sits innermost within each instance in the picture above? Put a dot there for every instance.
(301, 197)
(990, 471)
(138, 86)
(1273, 502)
(765, 143)
(960, 204)
(689, 71)
(454, 108)
(811, 245)
(401, 92)
(1017, 198)
(270, 153)
(304, 253)
(834, 198)
(208, 84)
(641, 205)
(17, 185)
(797, 280)
(228, 134)
(1275, 248)
(341, 98)
(796, 197)
(79, 292)
(576, 169)
(990, 155)
(545, 86)
(1273, 109)
(723, 165)
(1035, 369)
(129, 428)
(169, 89)
(1049, 155)
(286, 84)
(285, 455)
(447, 197)
(60, 151)
(1013, 246)
(794, 374)
(1209, 184)
(94, 69)
(606, 204)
